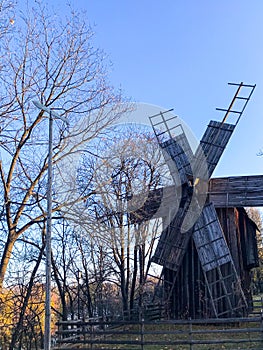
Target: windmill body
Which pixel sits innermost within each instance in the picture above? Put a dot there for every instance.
(199, 262)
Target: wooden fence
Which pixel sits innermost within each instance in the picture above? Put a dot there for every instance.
(149, 332)
(244, 333)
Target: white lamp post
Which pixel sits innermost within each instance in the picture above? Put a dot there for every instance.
(52, 115)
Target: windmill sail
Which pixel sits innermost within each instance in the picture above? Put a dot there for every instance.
(171, 247)
(209, 240)
(213, 143)
(214, 255)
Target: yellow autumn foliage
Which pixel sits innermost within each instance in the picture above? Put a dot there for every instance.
(11, 303)
(6, 315)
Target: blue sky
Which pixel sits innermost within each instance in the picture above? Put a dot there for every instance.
(181, 54)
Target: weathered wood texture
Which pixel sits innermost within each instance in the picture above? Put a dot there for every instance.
(248, 241)
(178, 156)
(236, 191)
(214, 142)
(190, 295)
(171, 247)
(209, 240)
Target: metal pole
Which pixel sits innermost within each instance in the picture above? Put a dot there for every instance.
(47, 333)
(52, 115)
(78, 280)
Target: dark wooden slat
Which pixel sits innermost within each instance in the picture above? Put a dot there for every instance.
(209, 240)
(178, 156)
(214, 142)
(172, 244)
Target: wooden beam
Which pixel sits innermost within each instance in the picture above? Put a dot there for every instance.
(223, 192)
(236, 191)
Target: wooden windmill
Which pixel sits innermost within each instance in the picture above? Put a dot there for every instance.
(200, 252)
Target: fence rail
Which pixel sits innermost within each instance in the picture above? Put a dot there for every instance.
(243, 333)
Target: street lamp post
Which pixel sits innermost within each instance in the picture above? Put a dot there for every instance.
(52, 116)
(78, 291)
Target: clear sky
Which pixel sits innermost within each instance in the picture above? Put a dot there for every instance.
(181, 54)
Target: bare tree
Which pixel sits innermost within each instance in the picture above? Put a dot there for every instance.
(7, 17)
(80, 269)
(23, 295)
(66, 264)
(132, 165)
(52, 60)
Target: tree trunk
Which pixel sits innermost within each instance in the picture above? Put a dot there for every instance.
(87, 293)
(134, 277)
(19, 325)
(61, 291)
(123, 293)
(142, 272)
(6, 257)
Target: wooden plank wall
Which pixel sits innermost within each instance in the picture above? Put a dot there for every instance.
(236, 191)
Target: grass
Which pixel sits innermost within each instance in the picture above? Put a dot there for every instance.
(257, 302)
